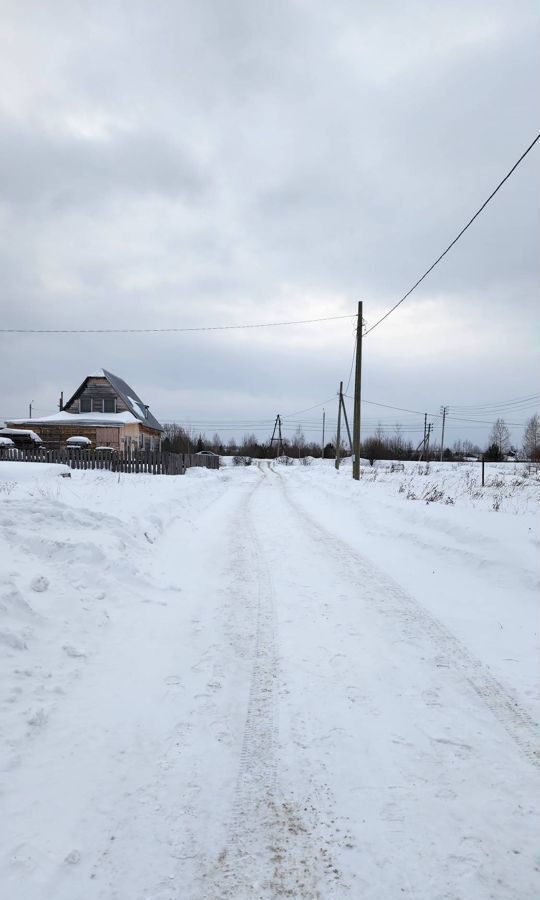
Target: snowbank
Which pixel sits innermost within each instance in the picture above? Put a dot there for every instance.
(236, 682)
(18, 473)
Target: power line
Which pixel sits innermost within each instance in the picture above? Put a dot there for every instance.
(352, 366)
(529, 400)
(167, 330)
(315, 406)
(438, 415)
(456, 239)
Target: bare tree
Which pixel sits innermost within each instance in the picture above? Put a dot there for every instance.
(397, 440)
(299, 441)
(531, 439)
(500, 436)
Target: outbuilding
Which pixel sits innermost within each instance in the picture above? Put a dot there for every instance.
(105, 410)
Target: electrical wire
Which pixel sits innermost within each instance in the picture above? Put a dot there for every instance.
(315, 406)
(434, 415)
(352, 366)
(168, 330)
(456, 239)
(529, 400)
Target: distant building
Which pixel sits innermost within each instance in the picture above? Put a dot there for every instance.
(103, 409)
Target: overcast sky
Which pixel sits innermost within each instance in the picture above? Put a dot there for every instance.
(169, 164)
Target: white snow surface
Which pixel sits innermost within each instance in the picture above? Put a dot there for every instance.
(269, 682)
(137, 408)
(107, 419)
(14, 474)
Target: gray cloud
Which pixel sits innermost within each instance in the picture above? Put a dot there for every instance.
(186, 164)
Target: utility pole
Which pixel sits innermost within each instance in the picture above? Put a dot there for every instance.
(344, 408)
(357, 397)
(273, 433)
(429, 430)
(323, 423)
(444, 410)
(30, 409)
(279, 438)
(424, 438)
(338, 435)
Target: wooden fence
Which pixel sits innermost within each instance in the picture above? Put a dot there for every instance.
(152, 462)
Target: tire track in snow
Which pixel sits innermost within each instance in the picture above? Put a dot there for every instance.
(271, 850)
(415, 620)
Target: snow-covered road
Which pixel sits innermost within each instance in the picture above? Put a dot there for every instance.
(239, 701)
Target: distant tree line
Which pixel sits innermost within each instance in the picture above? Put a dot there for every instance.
(380, 445)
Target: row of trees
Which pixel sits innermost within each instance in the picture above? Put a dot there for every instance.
(180, 440)
(500, 445)
(380, 445)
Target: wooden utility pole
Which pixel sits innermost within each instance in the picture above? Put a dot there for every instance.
(30, 410)
(344, 408)
(277, 426)
(323, 424)
(429, 430)
(424, 438)
(444, 410)
(338, 436)
(357, 397)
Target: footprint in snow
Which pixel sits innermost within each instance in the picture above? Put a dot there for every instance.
(39, 584)
(38, 719)
(73, 652)
(15, 641)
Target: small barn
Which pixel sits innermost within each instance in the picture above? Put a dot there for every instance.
(19, 437)
(105, 410)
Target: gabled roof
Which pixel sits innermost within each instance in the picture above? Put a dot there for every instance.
(126, 393)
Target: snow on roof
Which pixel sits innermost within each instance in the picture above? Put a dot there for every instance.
(99, 419)
(137, 407)
(127, 394)
(31, 435)
(78, 439)
(6, 442)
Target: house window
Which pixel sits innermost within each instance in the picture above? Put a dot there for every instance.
(85, 404)
(109, 405)
(97, 405)
(141, 441)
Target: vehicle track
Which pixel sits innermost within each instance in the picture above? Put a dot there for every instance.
(415, 621)
(270, 850)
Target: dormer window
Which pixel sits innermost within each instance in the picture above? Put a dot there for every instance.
(85, 405)
(109, 405)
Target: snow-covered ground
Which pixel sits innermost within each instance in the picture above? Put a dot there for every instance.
(269, 682)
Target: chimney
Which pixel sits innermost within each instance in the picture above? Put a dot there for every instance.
(61, 401)
(145, 411)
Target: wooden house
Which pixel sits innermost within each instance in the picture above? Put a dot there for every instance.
(104, 409)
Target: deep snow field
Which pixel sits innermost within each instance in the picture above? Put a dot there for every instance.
(269, 682)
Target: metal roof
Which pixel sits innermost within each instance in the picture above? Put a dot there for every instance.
(127, 394)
